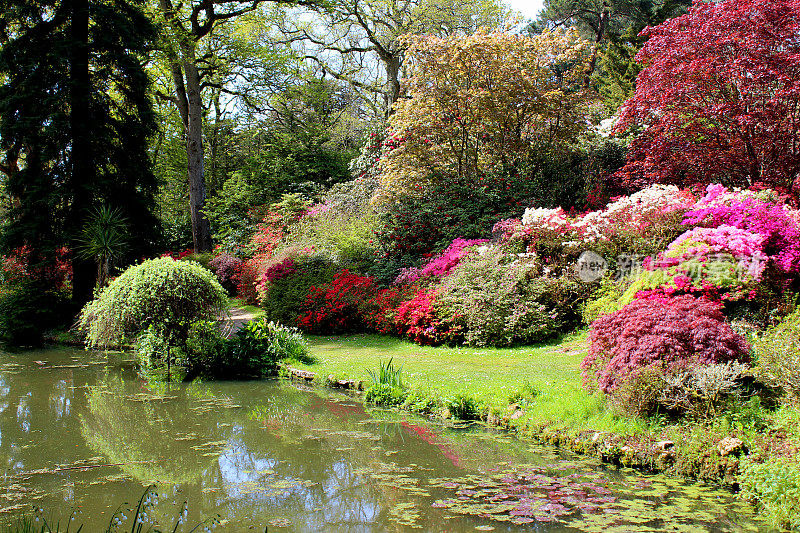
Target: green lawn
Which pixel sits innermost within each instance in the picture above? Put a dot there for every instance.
(491, 376)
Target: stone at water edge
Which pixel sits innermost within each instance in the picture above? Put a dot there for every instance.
(729, 445)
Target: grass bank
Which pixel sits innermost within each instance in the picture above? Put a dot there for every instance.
(544, 381)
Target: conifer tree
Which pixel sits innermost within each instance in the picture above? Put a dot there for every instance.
(74, 122)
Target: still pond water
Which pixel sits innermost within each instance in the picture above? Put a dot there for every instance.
(82, 432)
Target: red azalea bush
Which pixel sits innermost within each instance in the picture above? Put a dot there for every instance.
(228, 269)
(336, 307)
(673, 332)
(17, 267)
(250, 273)
(416, 319)
(14, 267)
(379, 312)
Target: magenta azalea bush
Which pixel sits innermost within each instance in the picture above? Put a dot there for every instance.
(724, 256)
(441, 265)
(671, 332)
(228, 268)
(775, 222)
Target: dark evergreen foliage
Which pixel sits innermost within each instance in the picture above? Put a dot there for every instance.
(75, 119)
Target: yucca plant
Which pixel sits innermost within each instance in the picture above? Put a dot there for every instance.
(104, 239)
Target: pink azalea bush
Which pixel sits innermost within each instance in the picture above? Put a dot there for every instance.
(441, 265)
(724, 255)
(774, 221)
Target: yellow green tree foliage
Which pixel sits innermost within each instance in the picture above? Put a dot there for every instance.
(477, 102)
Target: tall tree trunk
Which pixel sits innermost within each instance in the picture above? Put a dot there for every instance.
(392, 80)
(602, 25)
(214, 181)
(201, 232)
(81, 157)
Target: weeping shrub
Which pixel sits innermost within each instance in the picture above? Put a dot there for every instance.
(162, 294)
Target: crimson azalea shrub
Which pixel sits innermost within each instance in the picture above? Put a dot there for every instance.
(379, 311)
(416, 319)
(250, 273)
(34, 295)
(277, 271)
(672, 332)
(336, 306)
(228, 268)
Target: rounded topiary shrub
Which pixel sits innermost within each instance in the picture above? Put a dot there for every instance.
(673, 332)
(163, 295)
(285, 285)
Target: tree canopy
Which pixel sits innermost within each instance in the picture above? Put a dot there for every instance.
(719, 97)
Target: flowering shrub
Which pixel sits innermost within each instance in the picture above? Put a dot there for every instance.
(379, 311)
(416, 319)
(775, 222)
(14, 267)
(277, 271)
(228, 268)
(501, 300)
(553, 219)
(250, 273)
(672, 332)
(441, 265)
(183, 254)
(335, 307)
(633, 213)
(640, 224)
(725, 257)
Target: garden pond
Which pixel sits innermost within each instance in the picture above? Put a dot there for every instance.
(81, 432)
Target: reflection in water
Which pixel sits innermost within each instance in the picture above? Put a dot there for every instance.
(75, 434)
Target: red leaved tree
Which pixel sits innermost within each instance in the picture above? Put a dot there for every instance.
(719, 97)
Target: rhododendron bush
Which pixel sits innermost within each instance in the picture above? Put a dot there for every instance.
(642, 223)
(441, 265)
(670, 332)
(416, 319)
(285, 284)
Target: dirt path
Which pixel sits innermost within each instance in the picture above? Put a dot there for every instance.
(237, 318)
